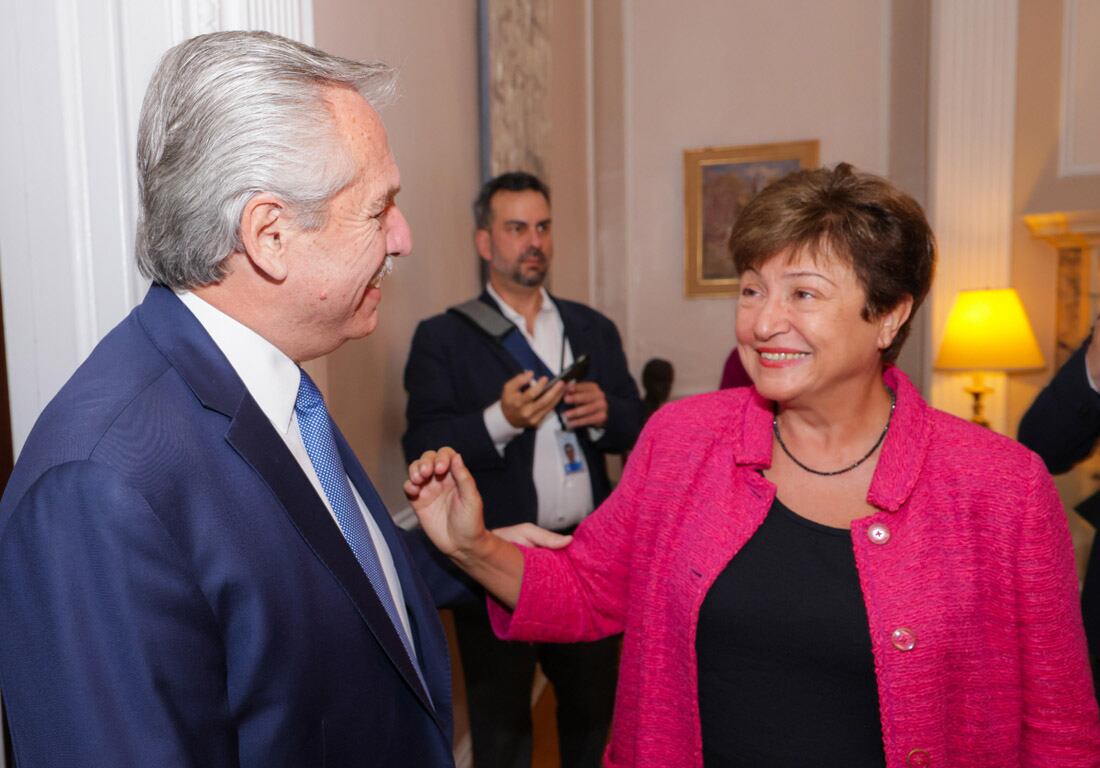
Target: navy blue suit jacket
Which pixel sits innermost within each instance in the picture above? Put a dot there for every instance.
(455, 371)
(173, 592)
(1063, 427)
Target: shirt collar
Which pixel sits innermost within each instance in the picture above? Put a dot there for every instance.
(547, 307)
(270, 376)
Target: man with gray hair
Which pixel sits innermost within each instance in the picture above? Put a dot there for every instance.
(194, 568)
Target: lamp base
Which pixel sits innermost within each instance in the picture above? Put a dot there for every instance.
(977, 390)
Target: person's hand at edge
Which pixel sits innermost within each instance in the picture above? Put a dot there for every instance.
(531, 535)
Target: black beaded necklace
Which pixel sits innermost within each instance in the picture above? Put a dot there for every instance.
(850, 467)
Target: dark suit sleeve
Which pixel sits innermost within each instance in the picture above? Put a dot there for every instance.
(112, 654)
(624, 405)
(448, 585)
(1063, 423)
(434, 414)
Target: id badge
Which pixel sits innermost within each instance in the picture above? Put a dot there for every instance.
(570, 454)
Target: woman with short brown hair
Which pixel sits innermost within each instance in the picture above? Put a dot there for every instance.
(820, 569)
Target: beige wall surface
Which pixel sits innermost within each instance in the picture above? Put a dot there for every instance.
(908, 142)
(567, 162)
(433, 131)
(731, 72)
(1038, 187)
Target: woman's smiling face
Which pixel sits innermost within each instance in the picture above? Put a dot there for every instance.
(801, 330)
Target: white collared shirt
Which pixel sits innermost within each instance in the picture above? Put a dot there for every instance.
(563, 499)
(272, 379)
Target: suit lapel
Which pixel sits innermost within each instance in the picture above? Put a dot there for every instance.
(183, 340)
(576, 329)
(252, 436)
(418, 601)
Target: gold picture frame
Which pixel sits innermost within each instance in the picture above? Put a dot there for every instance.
(718, 182)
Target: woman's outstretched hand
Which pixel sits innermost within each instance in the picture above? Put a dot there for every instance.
(445, 498)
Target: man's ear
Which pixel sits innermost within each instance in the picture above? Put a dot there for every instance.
(483, 245)
(891, 322)
(264, 229)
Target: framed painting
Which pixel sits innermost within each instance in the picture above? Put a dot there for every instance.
(718, 182)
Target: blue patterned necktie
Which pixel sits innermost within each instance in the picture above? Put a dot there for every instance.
(316, 428)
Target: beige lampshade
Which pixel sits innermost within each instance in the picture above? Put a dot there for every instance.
(988, 331)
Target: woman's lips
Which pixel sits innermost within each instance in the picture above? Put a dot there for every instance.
(779, 358)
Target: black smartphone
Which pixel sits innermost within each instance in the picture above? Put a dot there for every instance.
(576, 370)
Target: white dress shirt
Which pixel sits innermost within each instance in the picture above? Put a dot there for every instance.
(563, 499)
(272, 379)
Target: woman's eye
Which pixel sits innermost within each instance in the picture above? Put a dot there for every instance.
(748, 291)
(803, 294)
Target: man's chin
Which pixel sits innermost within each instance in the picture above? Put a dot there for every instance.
(531, 280)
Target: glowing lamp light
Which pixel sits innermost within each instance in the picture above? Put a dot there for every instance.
(988, 331)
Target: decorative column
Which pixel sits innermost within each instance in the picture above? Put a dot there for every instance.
(515, 53)
(972, 114)
(1076, 236)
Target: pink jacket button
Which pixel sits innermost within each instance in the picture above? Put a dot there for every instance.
(904, 639)
(918, 758)
(878, 533)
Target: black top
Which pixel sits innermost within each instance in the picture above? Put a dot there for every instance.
(786, 675)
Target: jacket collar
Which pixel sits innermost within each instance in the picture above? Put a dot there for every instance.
(905, 447)
(573, 319)
(899, 462)
(181, 338)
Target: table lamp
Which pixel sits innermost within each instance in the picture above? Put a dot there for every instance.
(987, 331)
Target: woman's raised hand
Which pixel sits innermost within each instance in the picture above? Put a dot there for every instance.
(445, 498)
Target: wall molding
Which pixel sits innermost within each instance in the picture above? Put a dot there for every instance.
(971, 130)
(1066, 229)
(1077, 43)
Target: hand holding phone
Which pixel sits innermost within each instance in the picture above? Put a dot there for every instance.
(526, 400)
(576, 370)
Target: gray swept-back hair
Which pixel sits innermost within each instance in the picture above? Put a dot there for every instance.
(229, 115)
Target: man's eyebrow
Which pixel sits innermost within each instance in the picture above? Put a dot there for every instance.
(383, 199)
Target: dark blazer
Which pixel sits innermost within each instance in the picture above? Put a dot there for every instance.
(455, 371)
(1063, 426)
(173, 592)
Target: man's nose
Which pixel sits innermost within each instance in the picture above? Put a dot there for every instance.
(398, 234)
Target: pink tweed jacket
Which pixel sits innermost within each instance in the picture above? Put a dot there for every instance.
(966, 570)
